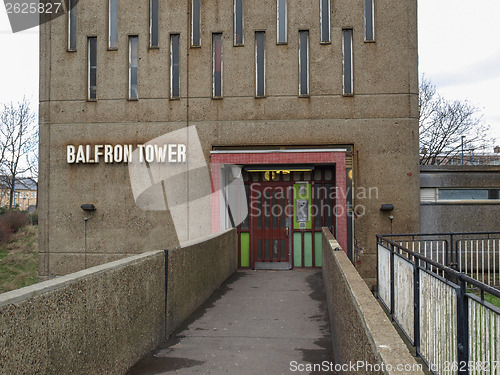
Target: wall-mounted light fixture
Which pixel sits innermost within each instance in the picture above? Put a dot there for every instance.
(387, 207)
(88, 207)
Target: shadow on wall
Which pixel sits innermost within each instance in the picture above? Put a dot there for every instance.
(361, 331)
(106, 318)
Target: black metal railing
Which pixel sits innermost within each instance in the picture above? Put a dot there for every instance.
(475, 253)
(449, 316)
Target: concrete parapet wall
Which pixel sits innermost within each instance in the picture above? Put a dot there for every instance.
(96, 321)
(104, 319)
(360, 328)
(195, 271)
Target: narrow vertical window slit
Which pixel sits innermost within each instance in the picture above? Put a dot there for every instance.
(281, 24)
(92, 68)
(113, 24)
(369, 21)
(217, 65)
(347, 59)
(304, 63)
(260, 61)
(238, 23)
(154, 19)
(325, 21)
(174, 66)
(133, 67)
(196, 23)
(72, 17)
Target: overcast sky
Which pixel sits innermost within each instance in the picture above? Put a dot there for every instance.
(459, 51)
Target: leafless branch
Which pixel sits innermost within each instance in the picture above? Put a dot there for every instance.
(18, 141)
(442, 123)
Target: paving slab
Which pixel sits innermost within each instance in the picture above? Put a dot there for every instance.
(258, 322)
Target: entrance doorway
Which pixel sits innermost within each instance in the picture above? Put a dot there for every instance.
(291, 195)
(270, 222)
(287, 211)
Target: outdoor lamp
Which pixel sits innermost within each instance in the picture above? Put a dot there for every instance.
(88, 207)
(387, 207)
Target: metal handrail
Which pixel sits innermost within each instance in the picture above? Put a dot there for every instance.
(459, 275)
(436, 234)
(463, 348)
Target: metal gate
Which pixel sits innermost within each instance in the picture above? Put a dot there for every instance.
(270, 214)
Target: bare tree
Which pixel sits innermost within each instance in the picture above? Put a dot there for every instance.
(32, 160)
(442, 123)
(17, 140)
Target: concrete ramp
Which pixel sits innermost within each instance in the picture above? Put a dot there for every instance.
(258, 322)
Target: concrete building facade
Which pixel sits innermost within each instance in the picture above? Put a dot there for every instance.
(463, 198)
(298, 94)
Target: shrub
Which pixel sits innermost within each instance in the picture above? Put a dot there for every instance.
(33, 217)
(14, 220)
(5, 233)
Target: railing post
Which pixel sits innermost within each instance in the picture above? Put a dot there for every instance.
(416, 310)
(376, 286)
(392, 282)
(447, 253)
(452, 253)
(463, 330)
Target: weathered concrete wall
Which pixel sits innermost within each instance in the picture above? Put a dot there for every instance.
(360, 328)
(195, 271)
(380, 121)
(460, 215)
(97, 321)
(104, 319)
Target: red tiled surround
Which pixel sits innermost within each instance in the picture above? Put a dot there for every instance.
(249, 158)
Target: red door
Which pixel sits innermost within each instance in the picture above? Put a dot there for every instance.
(270, 225)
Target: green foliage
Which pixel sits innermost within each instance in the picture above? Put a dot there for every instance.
(492, 299)
(33, 218)
(19, 260)
(495, 301)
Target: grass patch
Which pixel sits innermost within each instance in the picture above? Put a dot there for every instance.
(19, 260)
(492, 299)
(495, 301)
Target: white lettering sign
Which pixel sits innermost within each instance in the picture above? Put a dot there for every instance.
(88, 154)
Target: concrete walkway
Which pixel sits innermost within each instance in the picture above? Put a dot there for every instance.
(258, 322)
